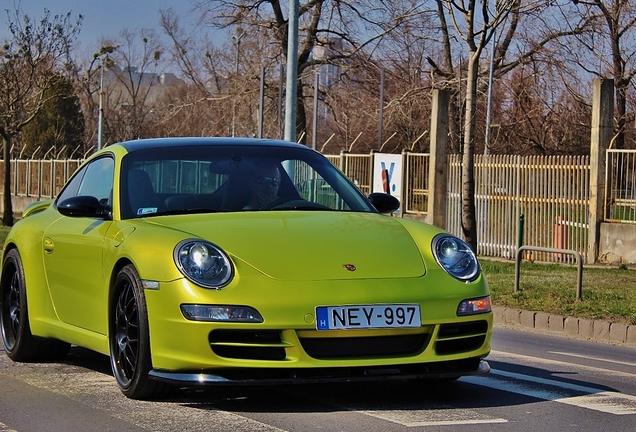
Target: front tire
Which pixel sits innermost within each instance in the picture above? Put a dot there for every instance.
(129, 338)
(19, 344)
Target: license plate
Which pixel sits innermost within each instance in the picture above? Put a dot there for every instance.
(368, 316)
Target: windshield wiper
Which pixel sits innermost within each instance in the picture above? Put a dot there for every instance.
(303, 207)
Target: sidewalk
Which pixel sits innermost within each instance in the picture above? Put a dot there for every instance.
(595, 330)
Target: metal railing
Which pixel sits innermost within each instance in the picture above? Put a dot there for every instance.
(575, 254)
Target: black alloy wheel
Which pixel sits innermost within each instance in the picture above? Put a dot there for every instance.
(11, 302)
(129, 338)
(20, 345)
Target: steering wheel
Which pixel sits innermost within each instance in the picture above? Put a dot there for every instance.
(277, 202)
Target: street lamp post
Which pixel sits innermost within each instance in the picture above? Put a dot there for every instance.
(104, 61)
(100, 115)
(236, 38)
(292, 72)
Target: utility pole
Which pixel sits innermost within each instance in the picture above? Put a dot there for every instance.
(237, 39)
(381, 111)
(100, 114)
(292, 72)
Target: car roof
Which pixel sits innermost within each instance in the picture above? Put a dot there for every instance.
(144, 144)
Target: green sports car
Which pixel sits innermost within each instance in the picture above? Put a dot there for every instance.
(197, 261)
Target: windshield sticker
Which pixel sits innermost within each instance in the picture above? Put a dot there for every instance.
(146, 210)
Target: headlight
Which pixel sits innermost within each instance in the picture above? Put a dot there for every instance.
(203, 263)
(456, 257)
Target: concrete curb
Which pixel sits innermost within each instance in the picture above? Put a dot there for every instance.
(596, 330)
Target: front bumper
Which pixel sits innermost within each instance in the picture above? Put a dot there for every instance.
(288, 347)
(440, 370)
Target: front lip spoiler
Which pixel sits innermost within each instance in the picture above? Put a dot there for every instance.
(307, 376)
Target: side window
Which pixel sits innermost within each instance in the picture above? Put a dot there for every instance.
(98, 180)
(72, 186)
(94, 179)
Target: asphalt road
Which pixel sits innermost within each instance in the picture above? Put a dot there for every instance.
(537, 382)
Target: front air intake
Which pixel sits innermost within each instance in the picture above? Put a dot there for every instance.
(247, 345)
(461, 337)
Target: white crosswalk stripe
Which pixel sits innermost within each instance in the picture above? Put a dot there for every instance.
(558, 391)
(5, 428)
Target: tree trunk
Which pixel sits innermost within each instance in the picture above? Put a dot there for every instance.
(7, 217)
(469, 223)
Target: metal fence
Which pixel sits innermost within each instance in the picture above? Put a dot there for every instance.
(415, 184)
(620, 195)
(39, 179)
(359, 168)
(537, 200)
(552, 194)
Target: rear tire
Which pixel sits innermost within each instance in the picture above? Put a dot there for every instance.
(129, 338)
(20, 345)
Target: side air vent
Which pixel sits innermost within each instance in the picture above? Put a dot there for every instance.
(248, 345)
(461, 337)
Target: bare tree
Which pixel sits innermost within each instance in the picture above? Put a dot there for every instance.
(88, 84)
(607, 50)
(133, 83)
(224, 79)
(29, 60)
(539, 115)
(403, 55)
(475, 22)
(522, 30)
(342, 28)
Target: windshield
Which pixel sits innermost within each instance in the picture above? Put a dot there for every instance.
(226, 178)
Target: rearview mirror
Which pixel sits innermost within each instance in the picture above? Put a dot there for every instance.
(82, 206)
(384, 203)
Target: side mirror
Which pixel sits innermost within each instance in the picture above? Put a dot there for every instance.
(82, 206)
(384, 203)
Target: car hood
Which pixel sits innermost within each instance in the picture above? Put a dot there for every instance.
(310, 245)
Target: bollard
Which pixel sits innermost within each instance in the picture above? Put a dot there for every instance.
(560, 236)
(520, 231)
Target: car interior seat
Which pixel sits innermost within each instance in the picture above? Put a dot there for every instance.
(142, 197)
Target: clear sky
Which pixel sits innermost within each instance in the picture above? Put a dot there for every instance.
(102, 18)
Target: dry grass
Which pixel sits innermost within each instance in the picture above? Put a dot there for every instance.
(4, 230)
(609, 293)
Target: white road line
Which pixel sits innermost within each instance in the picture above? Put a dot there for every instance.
(5, 428)
(592, 358)
(608, 402)
(561, 363)
(421, 418)
(557, 391)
